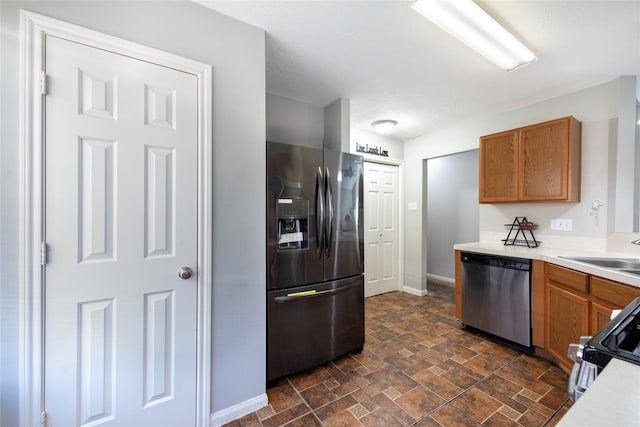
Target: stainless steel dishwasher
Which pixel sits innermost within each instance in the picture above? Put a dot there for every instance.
(496, 296)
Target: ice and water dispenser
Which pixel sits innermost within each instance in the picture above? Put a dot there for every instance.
(293, 224)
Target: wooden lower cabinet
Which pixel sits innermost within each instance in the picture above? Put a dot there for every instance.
(566, 320)
(578, 304)
(612, 292)
(601, 315)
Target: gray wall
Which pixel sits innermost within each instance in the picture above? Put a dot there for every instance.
(374, 139)
(337, 121)
(293, 122)
(237, 53)
(452, 209)
(297, 123)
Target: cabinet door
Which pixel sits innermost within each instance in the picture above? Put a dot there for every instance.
(567, 319)
(498, 167)
(550, 161)
(600, 315)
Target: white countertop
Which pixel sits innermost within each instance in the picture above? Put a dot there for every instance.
(612, 400)
(553, 255)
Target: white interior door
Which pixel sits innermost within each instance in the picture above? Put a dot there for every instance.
(120, 221)
(381, 229)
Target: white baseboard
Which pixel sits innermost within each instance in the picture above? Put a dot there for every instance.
(414, 291)
(448, 280)
(239, 410)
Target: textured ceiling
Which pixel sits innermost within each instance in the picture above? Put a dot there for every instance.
(392, 63)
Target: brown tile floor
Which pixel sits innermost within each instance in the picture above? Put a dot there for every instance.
(419, 368)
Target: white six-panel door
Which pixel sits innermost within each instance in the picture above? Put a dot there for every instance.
(120, 221)
(381, 228)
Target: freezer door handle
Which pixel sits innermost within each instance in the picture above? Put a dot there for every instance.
(329, 209)
(319, 212)
(304, 295)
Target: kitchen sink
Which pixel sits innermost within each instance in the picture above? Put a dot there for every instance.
(627, 265)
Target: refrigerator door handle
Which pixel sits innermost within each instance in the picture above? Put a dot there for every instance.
(329, 209)
(305, 295)
(319, 194)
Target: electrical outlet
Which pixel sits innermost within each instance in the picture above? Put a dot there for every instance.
(412, 206)
(562, 224)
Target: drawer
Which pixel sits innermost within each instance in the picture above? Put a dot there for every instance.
(613, 292)
(567, 277)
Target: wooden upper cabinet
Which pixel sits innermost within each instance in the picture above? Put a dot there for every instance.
(498, 162)
(535, 163)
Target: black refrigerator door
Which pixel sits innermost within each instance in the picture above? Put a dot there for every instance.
(312, 325)
(344, 255)
(295, 181)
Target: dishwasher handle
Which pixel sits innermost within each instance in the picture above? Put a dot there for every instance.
(509, 263)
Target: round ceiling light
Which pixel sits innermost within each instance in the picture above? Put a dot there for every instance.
(384, 126)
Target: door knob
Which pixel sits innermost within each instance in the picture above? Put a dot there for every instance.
(185, 273)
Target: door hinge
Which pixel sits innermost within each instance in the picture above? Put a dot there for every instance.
(43, 419)
(43, 253)
(43, 83)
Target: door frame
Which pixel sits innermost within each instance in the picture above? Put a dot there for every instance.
(33, 28)
(400, 165)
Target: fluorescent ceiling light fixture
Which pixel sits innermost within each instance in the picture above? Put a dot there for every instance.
(466, 21)
(384, 126)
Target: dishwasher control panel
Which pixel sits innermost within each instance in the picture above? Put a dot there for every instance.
(497, 261)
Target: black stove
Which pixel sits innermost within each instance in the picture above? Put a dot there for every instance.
(620, 338)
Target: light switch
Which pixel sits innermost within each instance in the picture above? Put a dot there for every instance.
(412, 206)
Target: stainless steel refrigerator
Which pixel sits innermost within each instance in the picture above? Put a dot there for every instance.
(315, 257)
